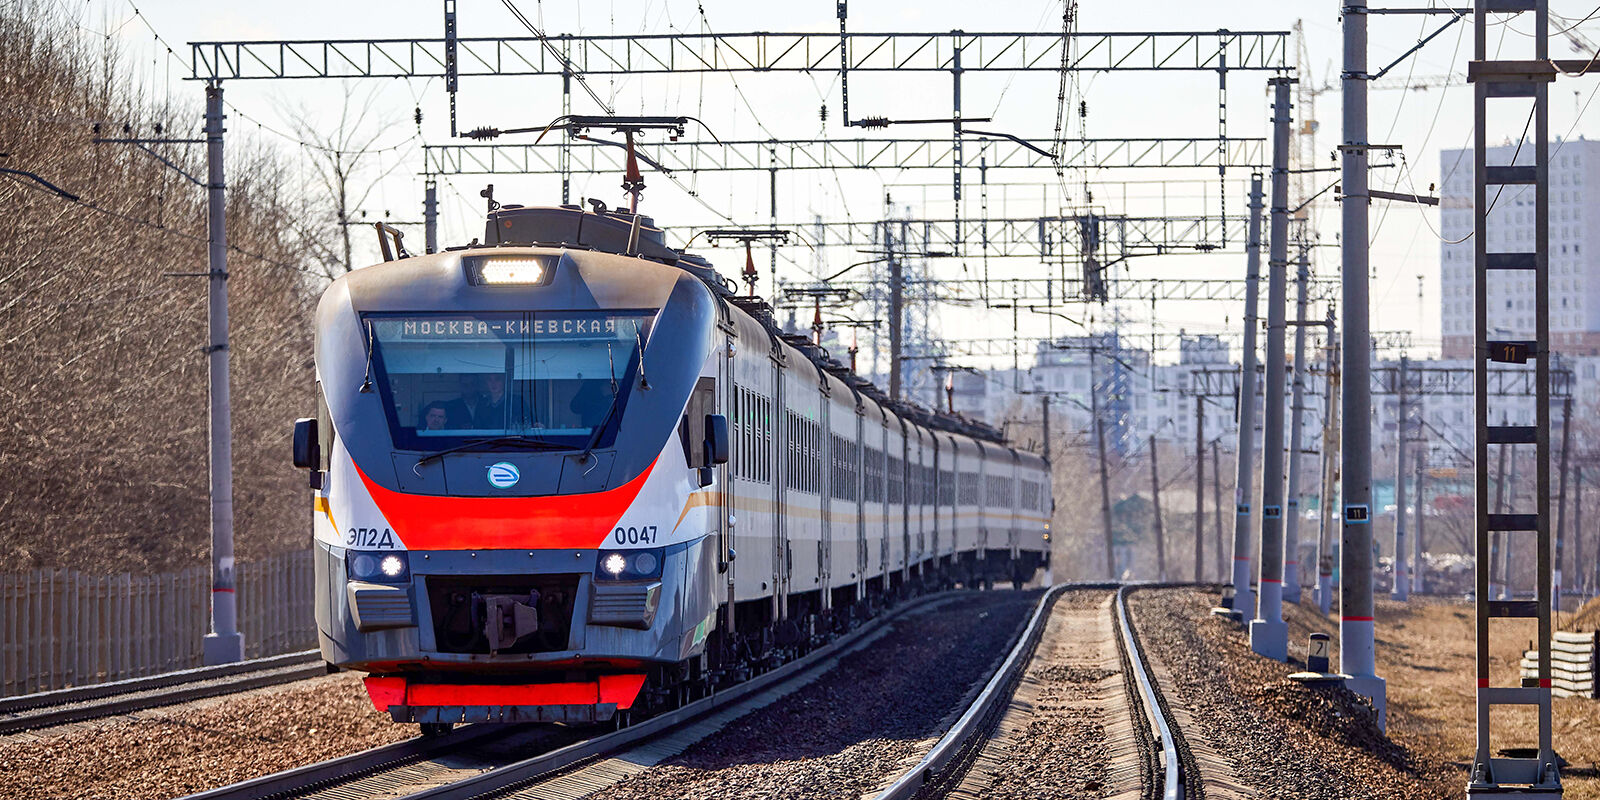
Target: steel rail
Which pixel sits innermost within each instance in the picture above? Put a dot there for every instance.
(44, 709)
(513, 775)
(970, 725)
(358, 765)
(1155, 709)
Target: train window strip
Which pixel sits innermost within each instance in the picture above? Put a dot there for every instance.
(874, 475)
(969, 488)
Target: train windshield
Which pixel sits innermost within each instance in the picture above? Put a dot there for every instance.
(552, 376)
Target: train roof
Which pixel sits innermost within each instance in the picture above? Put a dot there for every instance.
(621, 233)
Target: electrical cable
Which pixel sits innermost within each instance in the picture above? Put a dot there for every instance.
(526, 23)
(94, 206)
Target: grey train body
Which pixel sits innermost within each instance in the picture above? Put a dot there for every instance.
(498, 561)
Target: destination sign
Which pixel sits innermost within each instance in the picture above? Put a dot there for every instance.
(521, 325)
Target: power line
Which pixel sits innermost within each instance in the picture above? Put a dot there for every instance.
(156, 226)
(565, 64)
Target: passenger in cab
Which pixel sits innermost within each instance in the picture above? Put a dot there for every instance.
(435, 417)
(492, 408)
(458, 412)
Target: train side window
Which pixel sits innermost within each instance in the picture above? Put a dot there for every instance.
(737, 419)
(692, 428)
(324, 429)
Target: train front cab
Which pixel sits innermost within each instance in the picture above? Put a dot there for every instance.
(513, 581)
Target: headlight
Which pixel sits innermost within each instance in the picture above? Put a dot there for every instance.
(614, 564)
(366, 565)
(510, 270)
(629, 565)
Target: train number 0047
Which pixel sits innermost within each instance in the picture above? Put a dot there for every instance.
(644, 534)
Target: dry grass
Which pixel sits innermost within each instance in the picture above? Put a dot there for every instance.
(1426, 653)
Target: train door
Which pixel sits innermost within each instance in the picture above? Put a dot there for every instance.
(824, 476)
(727, 407)
(908, 452)
(1014, 496)
(783, 559)
(983, 504)
(859, 454)
(933, 500)
(885, 532)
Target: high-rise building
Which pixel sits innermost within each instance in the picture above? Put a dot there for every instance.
(1574, 261)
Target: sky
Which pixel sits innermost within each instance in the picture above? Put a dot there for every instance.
(1422, 120)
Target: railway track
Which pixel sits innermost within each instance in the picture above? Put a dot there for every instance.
(549, 761)
(1147, 754)
(45, 709)
(1001, 744)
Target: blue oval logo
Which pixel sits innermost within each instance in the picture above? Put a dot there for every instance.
(503, 475)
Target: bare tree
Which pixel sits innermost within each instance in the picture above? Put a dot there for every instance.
(345, 157)
(102, 354)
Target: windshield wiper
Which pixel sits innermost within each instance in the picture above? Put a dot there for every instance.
(594, 438)
(534, 443)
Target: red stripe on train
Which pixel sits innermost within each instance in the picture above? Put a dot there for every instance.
(395, 691)
(425, 522)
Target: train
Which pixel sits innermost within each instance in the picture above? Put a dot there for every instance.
(567, 473)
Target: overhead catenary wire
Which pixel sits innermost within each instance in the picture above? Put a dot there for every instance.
(156, 226)
(559, 56)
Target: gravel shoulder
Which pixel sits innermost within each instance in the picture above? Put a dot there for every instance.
(178, 750)
(847, 733)
(1282, 739)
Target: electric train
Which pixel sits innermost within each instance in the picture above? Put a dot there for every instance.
(568, 474)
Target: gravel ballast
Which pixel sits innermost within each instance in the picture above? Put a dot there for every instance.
(1281, 738)
(866, 720)
(1053, 740)
(179, 750)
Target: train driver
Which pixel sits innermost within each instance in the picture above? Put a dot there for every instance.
(435, 417)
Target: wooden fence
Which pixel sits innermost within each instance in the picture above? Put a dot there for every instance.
(61, 628)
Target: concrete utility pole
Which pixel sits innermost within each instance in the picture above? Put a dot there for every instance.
(1216, 506)
(896, 311)
(1419, 571)
(1243, 600)
(224, 644)
(1269, 635)
(1105, 478)
(1507, 578)
(1155, 494)
(1357, 656)
(1577, 533)
(1044, 418)
(1561, 496)
(1402, 578)
(1199, 486)
(1496, 585)
(1326, 518)
(430, 215)
(1297, 407)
